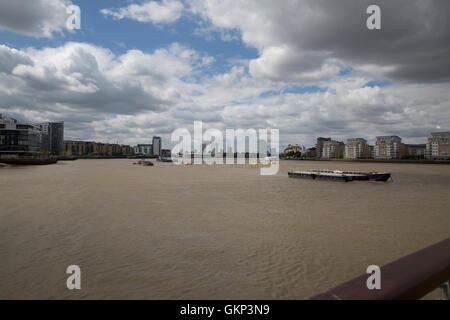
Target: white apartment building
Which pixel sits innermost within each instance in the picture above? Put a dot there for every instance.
(437, 147)
(357, 148)
(389, 147)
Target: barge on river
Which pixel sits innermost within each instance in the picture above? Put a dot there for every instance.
(340, 175)
(28, 162)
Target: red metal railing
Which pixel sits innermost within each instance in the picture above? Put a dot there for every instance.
(410, 277)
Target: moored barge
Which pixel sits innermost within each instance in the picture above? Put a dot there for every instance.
(337, 175)
(28, 162)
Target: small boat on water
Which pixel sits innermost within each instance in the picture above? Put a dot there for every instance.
(338, 175)
(144, 163)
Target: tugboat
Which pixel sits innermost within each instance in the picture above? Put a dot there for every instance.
(144, 163)
(337, 175)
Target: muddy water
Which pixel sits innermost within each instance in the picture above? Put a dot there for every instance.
(208, 232)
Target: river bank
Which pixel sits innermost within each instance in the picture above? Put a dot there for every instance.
(399, 161)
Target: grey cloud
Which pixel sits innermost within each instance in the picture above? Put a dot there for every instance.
(36, 18)
(414, 39)
(10, 58)
(126, 99)
(413, 43)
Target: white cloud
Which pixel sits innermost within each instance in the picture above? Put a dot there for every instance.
(155, 93)
(87, 78)
(166, 11)
(82, 83)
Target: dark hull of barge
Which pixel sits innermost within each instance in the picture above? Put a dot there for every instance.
(29, 162)
(346, 177)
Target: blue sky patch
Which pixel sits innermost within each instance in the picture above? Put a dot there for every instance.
(294, 90)
(378, 83)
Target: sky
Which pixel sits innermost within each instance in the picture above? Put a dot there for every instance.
(309, 68)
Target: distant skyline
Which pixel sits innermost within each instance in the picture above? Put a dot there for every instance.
(311, 68)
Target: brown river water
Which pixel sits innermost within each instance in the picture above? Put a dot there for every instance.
(208, 232)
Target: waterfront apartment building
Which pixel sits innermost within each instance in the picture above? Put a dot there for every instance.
(333, 149)
(20, 140)
(89, 148)
(310, 153)
(293, 149)
(144, 149)
(53, 136)
(357, 148)
(371, 152)
(157, 145)
(415, 151)
(437, 147)
(319, 146)
(389, 147)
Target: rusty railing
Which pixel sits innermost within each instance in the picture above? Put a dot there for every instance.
(411, 277)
